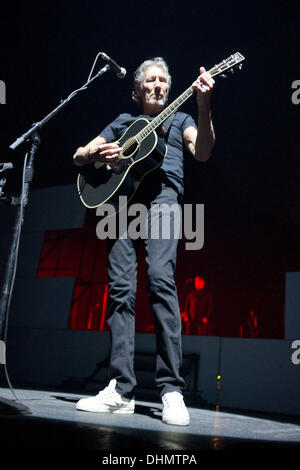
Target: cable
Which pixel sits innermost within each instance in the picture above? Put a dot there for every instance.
(14, 273)
(84, 87)
(93, 66)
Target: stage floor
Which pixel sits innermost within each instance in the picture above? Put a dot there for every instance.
(54, 424)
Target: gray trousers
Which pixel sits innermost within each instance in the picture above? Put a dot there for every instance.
(122, 269)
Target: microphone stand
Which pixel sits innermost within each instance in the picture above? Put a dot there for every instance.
(33, 137)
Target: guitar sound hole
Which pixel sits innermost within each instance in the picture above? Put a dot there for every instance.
(129, 147)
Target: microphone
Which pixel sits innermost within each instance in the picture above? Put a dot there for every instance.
(120, 71)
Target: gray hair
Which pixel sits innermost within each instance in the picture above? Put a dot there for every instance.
(139, 74)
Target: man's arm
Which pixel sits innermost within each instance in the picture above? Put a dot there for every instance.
(201, 141)
(97, 150)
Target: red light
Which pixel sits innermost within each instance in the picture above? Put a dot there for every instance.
(199, 282)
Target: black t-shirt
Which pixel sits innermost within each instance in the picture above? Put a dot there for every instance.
(172, 166)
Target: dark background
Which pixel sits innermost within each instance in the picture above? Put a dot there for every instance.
(250, 186)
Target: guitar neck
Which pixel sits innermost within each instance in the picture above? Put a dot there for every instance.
(164, 115)
(175, 105)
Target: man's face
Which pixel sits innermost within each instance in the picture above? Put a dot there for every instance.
(154, 89)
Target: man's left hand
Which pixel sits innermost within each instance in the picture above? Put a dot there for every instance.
(204, 85)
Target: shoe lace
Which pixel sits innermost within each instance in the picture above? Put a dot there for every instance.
(109, 391)
(173, 399)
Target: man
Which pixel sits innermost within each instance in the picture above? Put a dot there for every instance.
(164, 185)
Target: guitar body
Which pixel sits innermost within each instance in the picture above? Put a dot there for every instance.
(99, 185)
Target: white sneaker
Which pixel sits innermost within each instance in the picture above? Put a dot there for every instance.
(107, 401)
(174, 409)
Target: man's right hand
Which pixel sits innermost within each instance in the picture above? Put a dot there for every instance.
(105, 153)
(98, 150)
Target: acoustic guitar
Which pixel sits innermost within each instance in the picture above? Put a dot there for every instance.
(143, 151)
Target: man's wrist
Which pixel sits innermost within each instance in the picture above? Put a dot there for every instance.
(82, 156)
(204, 107)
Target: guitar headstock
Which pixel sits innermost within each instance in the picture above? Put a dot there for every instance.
(227, 65)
